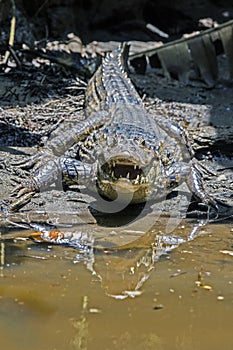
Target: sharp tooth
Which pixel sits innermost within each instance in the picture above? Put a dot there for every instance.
(137, 180)
(113, 164)
(143, 180)
(127, 176)
(113, 175)
(135, 167)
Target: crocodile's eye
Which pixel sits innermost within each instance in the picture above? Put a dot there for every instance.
(143, 143)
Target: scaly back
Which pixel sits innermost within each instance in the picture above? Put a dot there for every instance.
(110, 83)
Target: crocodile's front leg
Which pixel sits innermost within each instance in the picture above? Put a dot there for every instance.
(65, 137)
(175, 131)
(180, 172)
(41, 179)
(47, 162)
(62, 170)
(195, 184)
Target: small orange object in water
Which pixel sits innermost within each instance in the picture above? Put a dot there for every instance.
(51, 235)
(55, 234)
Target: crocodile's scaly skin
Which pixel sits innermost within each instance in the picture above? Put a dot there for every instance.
(123, 152)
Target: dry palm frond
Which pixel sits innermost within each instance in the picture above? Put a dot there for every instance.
(198, 52)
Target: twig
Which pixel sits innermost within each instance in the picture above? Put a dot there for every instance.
(156, 30)
(12, 32)
(41, 8)
(14, 55)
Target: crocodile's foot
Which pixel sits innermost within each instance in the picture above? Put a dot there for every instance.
(24, 188)
(22, 195)
(48, 171)
(18, 203)
(208, 208)
(35, 162)
(27, 164)
(209, 202)
(11, 206)
(195, 183)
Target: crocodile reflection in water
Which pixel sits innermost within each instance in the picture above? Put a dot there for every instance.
(122, 270)
(122, 265)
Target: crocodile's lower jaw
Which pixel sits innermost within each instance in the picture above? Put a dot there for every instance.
(123, 190)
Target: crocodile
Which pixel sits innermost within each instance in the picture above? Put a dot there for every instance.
(123, 151)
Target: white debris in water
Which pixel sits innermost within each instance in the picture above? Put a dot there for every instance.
(229, 252)
(126, 293)
(118, 297)
(94, 310)
(132, 293)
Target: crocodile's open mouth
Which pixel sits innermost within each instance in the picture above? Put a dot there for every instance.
(121, 168)
(124, 179)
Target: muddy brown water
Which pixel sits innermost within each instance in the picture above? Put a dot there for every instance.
(174, 292)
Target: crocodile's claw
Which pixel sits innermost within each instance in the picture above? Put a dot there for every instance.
(210, 202)
(22, 195)
(29, 163)
(17, 204)
(42, 162)
(23, 188)
(35, 162)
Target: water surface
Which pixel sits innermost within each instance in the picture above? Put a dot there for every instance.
(146, 294)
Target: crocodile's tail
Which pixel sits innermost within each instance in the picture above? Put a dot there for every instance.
(110, 83)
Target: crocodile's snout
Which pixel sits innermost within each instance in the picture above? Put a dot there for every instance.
(123, 177)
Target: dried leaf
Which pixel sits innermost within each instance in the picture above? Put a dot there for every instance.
(226, 35)
(176, 61)
(203, 55)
